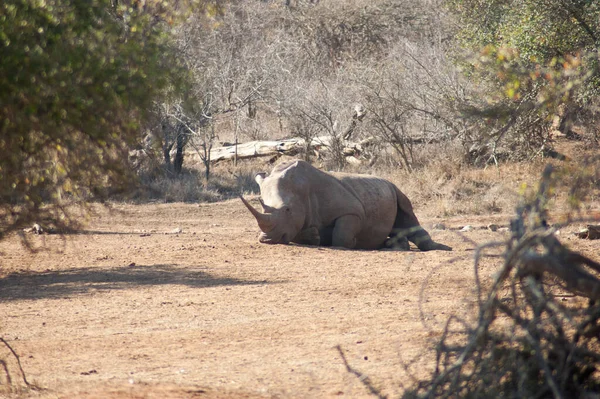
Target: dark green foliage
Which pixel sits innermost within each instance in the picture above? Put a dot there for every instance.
(540, 29)
(76, 78)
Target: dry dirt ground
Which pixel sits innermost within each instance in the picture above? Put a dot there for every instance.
(181, 301)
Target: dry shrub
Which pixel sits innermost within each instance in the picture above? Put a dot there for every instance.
(446, 186)
(528, 342)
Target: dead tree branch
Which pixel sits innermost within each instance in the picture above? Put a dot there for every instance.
(361, 377)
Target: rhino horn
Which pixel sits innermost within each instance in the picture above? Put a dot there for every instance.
(265, 221)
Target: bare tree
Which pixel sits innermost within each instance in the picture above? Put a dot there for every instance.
(322, 110)
(276, 70)
(229, 77)
(414, 95)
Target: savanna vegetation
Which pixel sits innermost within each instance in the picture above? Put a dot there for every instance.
(91, 89)
(460, 100)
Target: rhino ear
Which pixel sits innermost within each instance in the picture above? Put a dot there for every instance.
(260, 177)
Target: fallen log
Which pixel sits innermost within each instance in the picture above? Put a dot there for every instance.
(292, 146)
(254, 149)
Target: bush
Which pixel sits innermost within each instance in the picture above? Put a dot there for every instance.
(76, 81)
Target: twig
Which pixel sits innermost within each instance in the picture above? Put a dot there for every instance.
(544, 366)
(5, 367)
(18, 361)
(361, 377)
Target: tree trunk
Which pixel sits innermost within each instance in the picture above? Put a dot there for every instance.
(235, 135)
(178, 163)
(167, 156)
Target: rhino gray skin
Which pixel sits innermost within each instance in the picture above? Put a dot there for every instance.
(305, 205)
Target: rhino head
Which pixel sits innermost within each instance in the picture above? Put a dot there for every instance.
(284, 208)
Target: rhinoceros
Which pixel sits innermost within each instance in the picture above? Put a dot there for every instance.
(304, 205)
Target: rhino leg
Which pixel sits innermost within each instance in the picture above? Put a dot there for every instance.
(345, 230)
(308, 236)
(423, 240)
(326, 234)
(397, 243)
(314, 236)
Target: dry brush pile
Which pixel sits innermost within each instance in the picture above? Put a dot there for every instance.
(528, 342)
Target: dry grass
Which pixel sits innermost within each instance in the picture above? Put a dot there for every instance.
(443, 185)
(226, 181)
(441, 188)
(467, 191)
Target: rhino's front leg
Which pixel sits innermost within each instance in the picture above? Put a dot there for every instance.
(345, 231)
(309, 236)
(397, 243)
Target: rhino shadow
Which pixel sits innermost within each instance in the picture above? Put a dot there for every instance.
(87, 280)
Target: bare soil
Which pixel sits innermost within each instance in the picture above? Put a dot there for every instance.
(181, 301)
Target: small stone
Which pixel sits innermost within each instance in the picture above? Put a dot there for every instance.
(492, 227)
(467, 228)
(176, 230)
